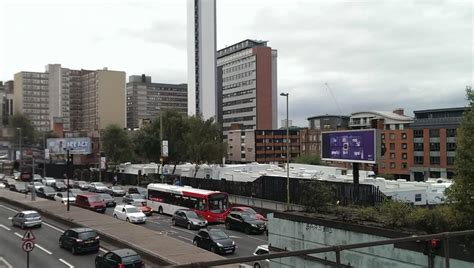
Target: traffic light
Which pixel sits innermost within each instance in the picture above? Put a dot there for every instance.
(432, 246)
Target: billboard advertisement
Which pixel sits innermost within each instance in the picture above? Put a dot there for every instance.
(357, 146)
(75, 146)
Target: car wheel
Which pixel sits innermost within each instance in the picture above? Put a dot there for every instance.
(23, 226)
(195, 242)
(127, 220)
(61, 244)
(213, 249)
(188, 226)
(73, 250)
(247, 230)
(227, 225)
(173, 221)
(160, 210)
(256, 265)
(115, 216)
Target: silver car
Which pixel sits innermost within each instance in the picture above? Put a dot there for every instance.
(27, 219)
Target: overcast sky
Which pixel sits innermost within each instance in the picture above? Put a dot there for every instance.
(374, 55)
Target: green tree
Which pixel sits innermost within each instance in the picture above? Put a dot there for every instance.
(462, 191)
(147, 143)
(116, 144)
(175, 126)
(28, 132)
(309, 159)
(203, 142)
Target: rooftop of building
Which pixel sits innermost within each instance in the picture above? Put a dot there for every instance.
(386, 114)
(442, 110)
(247, 43)
(329, 116)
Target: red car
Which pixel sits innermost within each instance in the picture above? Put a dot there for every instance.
(251, 211)
(143, 208)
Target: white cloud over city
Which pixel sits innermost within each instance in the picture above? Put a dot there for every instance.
(374, 55)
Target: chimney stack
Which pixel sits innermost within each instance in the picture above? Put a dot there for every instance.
(399, 111)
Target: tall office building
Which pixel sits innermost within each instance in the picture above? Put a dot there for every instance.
(145, 99)
(247, 85)
(202, 97)
(82, 100)
(6, 102)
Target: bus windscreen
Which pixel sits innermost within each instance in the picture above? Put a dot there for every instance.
(218, 203)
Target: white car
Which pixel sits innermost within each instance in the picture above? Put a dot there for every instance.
(62, 197)
(98, 187)
(129, 213)
(37, 177)
(261, 250)
(48, 181)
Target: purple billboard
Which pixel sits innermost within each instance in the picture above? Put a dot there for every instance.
(350, 146)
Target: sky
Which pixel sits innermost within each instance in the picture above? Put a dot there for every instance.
(334, 57)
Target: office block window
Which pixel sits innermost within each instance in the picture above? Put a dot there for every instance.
(450, 160)
(404, 156)
(434, 146)
(451, 132)
(392, 165)
(418, 147)
(392, 155)
(404, 136)
(434, 133)
(392, 146)
(434, 160)
(419, 160)
(404, 165)
(404, 146)
(451, 146)
(392, 136)
(418, 133)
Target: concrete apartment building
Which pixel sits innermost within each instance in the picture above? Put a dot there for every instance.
(395, 132)
(82, 100)
(241, 146)
(6, 102)
(201, 40)
(270, 145)
(310, 138)
(145, 100)
(434, 143)
(247, 86)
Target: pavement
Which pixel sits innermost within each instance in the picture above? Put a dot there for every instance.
(153, 246)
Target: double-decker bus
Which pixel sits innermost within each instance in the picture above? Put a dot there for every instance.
(166, 199)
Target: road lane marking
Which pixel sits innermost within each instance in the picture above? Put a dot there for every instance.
(43, 249)
(183, 230)
(4, 227)
(19, 235)
(66, 263)
(234, 236)
(54, 227)
(5, 207)
(185, 238)
(103, 250)
(8, 265)
(257, 239)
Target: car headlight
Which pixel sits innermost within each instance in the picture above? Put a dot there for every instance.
(205, 222)
(219, 245)
(254, 225)
(233, 243)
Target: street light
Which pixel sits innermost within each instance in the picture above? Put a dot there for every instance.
(20, 148)
(287, 152)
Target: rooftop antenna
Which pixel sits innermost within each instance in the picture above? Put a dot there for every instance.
(334, 98)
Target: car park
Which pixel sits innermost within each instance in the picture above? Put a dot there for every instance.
(37, 177)
(251, 211)
(214, 240)
(138, 190)
(261, 250)
(80, 240)
(189, 219)
(35, 184)
(129, 198)
(27, 219)
(129, 213)
(47, 181)
(246, 222)
(19, 187)
(9, 181)
(59, 186)
(97, 187)
(116, 191)
(46, 192)
(108, 199)
(91, 201)
(119, 258)
(148, 211)
(62, 197)
(81, 185)
(75, 192)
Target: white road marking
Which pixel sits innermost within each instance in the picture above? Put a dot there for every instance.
(183, 230)
(257, 239)
(19, 235)
(234, 236)
(43, 249)
(185, 238)
(8, 265)
(54, 227)
(67, 264)
(103, 250)
(5, 207)
(4, 227)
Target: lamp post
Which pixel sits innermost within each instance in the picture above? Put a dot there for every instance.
(21, 155)
(287, 152)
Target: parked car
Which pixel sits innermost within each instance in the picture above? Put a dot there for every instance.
(97, 187)
(189, 219)
(80, 240)
(116, 191)
(261, 250)
(138, 190)
(16, 175)
(108, 199)
(46, 192)
(35, 184)
(37, 177)
(148, 211)
(75, 192)
(59, 186)
(119, 258)
(27, 219)
(62, 197)
(9, 181)
(47, 181)
(251, 211)
(246, 222)
(81, 185)
(215, 240)
(133, 198)
(19, 187)
(129, 213)
(90, 201)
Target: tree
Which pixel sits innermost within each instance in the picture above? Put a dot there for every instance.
(116, 144)
(462, 191)
(308, 159)
(316, 195)
(174, 128)
(147, 143)
(28, 132)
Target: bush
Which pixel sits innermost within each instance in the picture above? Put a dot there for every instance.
(442, 218)
(396, 213)
(316, 196)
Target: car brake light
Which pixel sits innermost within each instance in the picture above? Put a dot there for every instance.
(120, 265)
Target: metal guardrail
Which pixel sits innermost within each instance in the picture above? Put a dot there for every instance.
(337, 249)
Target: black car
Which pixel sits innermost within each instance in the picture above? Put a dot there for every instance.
(119, 258)
(215, 240)
(130, 198)
(108, 199)
(59, 186)
(138, 190)
(116, 191)
(189, 219)
(46, 192)
(19, 187)
(80, 240)
(246, 222)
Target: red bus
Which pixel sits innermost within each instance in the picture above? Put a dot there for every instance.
(166, 199)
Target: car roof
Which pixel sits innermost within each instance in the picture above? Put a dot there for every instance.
(124, 252)
(82, 230)
(265, 247)
(87, 195)
(29, 212)
(126, 206)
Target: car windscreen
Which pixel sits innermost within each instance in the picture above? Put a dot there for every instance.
(117, 188)
(136, 196)
(20, 185)
(48, 189)
(32, 215)
(132, 210)
(218, 234)
(87, 235)
(94, 198)
(60, 184)
(129, 261)
(249, 216)
(99, 184)
(106, 196)
(192, 215)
